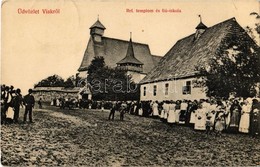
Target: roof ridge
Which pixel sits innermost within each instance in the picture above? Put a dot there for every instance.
(125, 41)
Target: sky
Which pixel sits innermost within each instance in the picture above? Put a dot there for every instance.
(35, 46)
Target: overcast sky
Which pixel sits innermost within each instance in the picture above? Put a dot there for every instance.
(35, 46)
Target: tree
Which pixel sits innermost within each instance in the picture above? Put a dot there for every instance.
(253, 32)
(110, 83)
(51, 81)
(234, 69)
(70, 82)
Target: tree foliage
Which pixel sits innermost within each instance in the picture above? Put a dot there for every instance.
(57, 81)
(51, 81)
(234, 69)
(110, 83)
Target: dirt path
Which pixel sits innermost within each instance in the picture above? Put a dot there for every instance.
(87, 138)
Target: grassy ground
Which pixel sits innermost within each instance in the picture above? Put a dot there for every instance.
(87, 138)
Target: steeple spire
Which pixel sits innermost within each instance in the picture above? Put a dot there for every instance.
(130, 62)
(200, 18)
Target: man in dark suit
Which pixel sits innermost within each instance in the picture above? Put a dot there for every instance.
(29, 104)
(17, 102)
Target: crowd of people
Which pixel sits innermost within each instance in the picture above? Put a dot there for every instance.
(232, 116)
(11, 101)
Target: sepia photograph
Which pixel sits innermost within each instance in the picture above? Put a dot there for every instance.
(130, 83)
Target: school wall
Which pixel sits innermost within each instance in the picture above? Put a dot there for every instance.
(175, 91)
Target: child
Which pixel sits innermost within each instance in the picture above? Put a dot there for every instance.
(40, 103)
(209, 124)
(220, 123)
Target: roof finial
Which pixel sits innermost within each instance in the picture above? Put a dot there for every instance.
(200, 18)
(130, 35)
(98, 17)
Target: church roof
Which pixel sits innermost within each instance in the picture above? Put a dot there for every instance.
(201, 26)
(181, 60)
(130, 56)
(98, 24)
(114, 50)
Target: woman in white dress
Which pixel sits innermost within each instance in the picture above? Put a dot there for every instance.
(245, 117)
(171, 118)
(155, 109)
(200, 122)
(166, 108)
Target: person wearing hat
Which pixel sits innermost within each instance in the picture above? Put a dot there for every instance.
(17, 102)
(29, 104)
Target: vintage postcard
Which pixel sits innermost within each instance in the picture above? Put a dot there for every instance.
(130, 83)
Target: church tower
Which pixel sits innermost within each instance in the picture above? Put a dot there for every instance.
(129, 62)
(97, 31)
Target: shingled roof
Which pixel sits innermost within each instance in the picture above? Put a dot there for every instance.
(98, 24)
(114, 50)
(130, 56)
(201, 26)
(181, 59)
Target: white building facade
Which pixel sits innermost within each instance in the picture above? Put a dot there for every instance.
(172, 90)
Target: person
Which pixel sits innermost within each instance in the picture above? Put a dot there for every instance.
(112, 111)
(254, 129)
(200, 121)
(123, 110)
(17, 102)
(171, 117)
(29, 105)
(193, 108)
(245, 117)
(235, 111)
(208, 123)
(7, 103)
(220, 123)
(155, 109)
(177, 111)
(40, 103)
(183, 112)
(102, 105)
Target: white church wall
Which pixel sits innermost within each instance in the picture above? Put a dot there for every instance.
(175, 90)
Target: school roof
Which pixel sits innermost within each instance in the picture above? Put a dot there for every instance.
(180, 61)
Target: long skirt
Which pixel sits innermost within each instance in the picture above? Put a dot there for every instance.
(234, 120)
(162, 114)
(227, 119)
(244, 123)
(140, 111)
(155, 111)
(171, 117)
(177, 115)
(220, 125)
(182, 117)
(200, 122)
(192, 117)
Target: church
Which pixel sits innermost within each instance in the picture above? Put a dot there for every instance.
(175, 77)
(134, 57)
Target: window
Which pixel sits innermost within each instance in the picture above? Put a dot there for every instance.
(144, 91)
(187, 88)
(166, 89)
(154, 90)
